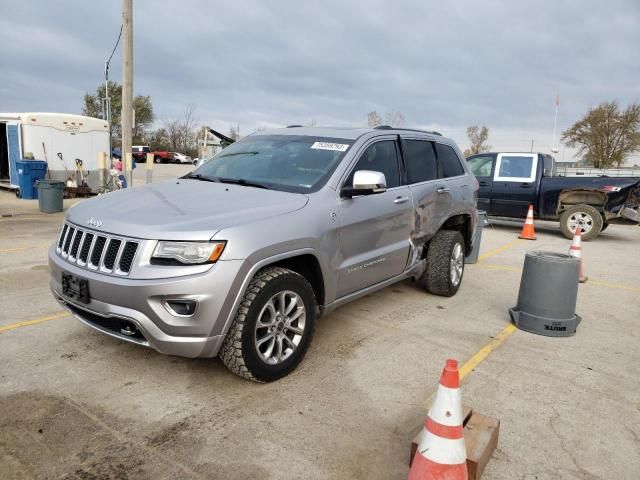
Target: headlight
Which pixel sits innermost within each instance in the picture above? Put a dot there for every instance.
(189, 252)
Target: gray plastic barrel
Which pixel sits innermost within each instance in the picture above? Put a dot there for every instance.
(50, 193)
(548, 295)
(477, 239)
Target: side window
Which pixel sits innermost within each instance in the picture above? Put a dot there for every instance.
(420, 160)
(516, 168)
(480, 166)
(449, 161)
(380, 157)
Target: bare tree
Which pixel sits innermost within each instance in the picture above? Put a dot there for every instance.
(606, 136)
(182, 134)
(478, 137)
(373, 119)
(394, 119)
(234, 131)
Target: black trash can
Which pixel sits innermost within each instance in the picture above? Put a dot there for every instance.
(50, 193)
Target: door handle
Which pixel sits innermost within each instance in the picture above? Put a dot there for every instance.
(484, 184)
(400, 200)
(443, 190)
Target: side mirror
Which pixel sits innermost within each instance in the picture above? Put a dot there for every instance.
(365, 182)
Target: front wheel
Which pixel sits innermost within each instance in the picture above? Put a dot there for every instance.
(273, 327)
(584, 216)
(445, 263)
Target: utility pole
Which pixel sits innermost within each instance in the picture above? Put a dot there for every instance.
(127, 86)
(555, 124)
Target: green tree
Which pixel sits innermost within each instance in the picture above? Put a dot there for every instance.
(141, 104)
(606, 136)
(478, 137)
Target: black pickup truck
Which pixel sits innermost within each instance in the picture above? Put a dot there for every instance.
(510, 182)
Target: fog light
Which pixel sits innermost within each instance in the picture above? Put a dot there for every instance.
(180, 307)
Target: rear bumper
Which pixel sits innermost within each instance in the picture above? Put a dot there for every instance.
(626, 215)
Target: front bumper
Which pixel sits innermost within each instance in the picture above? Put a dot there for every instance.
(126, 302)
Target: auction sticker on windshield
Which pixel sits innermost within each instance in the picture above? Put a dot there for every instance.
(338, 147)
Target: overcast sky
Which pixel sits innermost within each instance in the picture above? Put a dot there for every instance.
(444, 65)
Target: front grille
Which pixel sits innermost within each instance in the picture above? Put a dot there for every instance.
(112, 253)
(103, 253)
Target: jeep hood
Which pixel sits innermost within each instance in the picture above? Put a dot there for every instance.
(181, 209)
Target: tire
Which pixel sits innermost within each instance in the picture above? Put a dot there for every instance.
(18, 193)
(585, 216)
(445, 253)
(157, 159)
(240, 351)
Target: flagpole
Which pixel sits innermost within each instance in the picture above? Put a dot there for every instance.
(555, 124)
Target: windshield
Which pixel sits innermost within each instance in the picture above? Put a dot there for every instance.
(292, 163)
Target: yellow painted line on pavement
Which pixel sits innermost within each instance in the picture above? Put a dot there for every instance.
(23, 248)
(613, 285)
(598, 283)
(498, 250)
(34, 321)
(484, 352)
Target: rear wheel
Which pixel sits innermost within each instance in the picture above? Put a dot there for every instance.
(445, 263)
(157, 159)
(584, 216)
(273, 327)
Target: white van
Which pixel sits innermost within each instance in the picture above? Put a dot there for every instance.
(59, 139)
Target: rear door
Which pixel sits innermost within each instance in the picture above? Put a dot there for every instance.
(482, 167)
(421, 166)
(13, 143)
(514, 184)
(375, 229)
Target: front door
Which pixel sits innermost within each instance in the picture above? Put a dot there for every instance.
(514, 184)
(482, 167)
(375, 229)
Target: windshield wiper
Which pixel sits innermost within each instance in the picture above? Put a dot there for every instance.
(243, 182)
(238, 153)
(198, 176)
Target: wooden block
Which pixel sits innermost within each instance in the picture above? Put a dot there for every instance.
(481, 439)
(466, 414)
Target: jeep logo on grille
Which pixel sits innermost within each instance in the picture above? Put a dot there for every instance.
(94, 222)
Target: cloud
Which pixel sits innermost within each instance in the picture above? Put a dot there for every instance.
(494, 63)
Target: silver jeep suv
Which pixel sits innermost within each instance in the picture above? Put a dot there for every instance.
(240, 257)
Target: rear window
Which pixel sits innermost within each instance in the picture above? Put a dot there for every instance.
(420, 161)
(449, 161)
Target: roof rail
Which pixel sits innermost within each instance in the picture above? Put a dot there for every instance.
(388, 127)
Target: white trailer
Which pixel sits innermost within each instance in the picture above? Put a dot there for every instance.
(59, 139)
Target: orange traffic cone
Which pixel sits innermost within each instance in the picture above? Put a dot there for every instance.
(575, 250)
(441, 453)
(528, 233)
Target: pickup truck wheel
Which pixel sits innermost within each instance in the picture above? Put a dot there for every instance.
(273, 327)
(445, 263)
(157, 159)
(584, 216)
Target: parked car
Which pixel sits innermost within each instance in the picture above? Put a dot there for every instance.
(181, 158)
(510, 182)
(140, 153)
(251, 247)
(199, 161)
(162, 156)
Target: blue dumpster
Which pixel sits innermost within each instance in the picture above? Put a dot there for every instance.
(29, 171)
